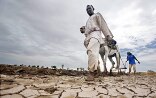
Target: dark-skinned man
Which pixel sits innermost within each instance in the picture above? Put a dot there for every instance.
(95, 27)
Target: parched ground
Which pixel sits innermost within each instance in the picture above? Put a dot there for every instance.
(52, 86)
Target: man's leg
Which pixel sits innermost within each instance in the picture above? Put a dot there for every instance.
(97, 73)
(134, 68)
(93, 56)
(130, 66)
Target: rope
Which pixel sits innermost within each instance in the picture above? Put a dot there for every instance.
(122, 60)
(123, 63)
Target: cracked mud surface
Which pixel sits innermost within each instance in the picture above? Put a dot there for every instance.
(49, 86)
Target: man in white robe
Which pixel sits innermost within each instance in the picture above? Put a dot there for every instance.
(94, 26)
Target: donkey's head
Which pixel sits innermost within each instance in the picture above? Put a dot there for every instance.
(82, 29)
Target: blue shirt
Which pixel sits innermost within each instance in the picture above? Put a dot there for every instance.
(131, 59)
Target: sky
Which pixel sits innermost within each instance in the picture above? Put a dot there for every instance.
(46, 32)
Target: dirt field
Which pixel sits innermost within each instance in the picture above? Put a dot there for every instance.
(143, 85)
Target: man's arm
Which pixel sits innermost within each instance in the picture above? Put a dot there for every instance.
(127, 59)
(136, 59)
(103, 26)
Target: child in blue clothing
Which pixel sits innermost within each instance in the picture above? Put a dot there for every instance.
(131, 58)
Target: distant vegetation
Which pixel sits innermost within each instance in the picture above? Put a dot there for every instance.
(37, 70)
(150, 71)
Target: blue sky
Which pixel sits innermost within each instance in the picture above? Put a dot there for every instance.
(46, 33)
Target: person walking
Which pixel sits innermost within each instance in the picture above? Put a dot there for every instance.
(131, 58)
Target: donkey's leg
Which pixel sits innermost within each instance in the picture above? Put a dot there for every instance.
(104, 63)
(113, 63)
(102, 54)
(118, 61)
(106, 56)
(105, 68)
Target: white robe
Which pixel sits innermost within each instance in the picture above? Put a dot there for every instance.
(93, 28)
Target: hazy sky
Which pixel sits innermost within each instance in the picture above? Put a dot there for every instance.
(46, 32)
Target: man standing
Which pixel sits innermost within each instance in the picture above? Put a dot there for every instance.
(95, 24)
(131, 58)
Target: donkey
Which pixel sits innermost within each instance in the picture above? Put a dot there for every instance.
(109, 52)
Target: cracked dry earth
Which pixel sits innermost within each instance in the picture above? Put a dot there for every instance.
(28, 86)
